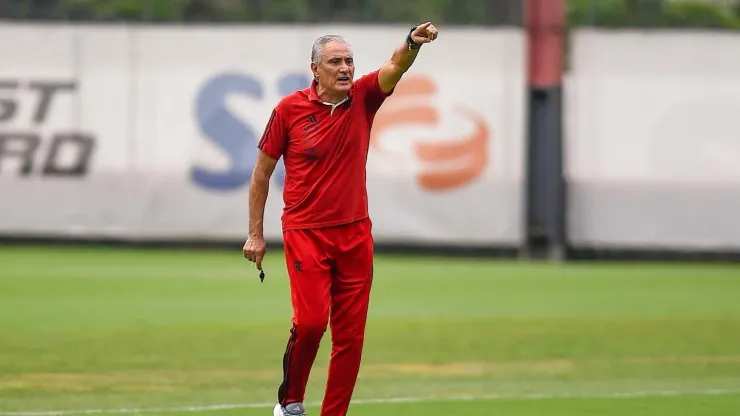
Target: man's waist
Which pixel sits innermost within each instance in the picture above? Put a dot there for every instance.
(330, 206)
(307, 223)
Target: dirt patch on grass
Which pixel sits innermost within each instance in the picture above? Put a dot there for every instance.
(187, 380)
(161, 380)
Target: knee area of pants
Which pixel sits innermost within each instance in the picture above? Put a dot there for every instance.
(312, 329)
(348, 338)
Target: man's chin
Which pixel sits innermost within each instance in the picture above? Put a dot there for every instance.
(343, 85)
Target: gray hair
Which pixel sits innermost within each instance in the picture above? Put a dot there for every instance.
(319, 43)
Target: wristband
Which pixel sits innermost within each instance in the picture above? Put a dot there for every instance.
(410, 42)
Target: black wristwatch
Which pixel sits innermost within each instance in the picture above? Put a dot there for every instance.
(411, 43)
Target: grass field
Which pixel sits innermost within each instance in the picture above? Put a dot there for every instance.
(194, 332)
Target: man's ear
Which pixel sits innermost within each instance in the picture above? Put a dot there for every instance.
(315, 70)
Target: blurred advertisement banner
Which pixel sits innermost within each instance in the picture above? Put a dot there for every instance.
(154, 131)
(652, 139)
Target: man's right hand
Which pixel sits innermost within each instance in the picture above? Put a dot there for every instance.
(254, 250)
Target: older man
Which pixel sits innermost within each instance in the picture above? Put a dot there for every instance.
(323, 135)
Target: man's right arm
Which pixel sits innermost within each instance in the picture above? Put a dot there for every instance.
(271, 147)
(258, 190)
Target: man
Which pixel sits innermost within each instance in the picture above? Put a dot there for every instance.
(323, 135)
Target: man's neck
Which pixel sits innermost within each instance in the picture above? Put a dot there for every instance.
(330, 97)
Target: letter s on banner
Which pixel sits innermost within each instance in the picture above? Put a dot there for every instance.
(222, 128)
(235, 137)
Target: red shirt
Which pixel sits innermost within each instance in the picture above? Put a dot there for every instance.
(324, 148)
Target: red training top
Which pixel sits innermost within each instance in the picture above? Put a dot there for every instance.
(324, 147)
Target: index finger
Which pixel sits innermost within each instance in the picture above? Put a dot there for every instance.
(424, 25)
(259, 262)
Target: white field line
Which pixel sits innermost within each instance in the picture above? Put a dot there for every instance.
(214, 407)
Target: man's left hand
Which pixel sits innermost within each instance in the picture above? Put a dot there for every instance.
(424, 33)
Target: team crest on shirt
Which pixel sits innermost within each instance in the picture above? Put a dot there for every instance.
(309, 143)
(311, 153)
(310, 149)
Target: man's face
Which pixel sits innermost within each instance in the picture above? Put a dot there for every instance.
(337, 68)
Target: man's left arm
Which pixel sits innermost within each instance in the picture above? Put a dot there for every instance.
(404, 55)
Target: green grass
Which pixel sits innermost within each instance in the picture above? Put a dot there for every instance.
(120, 328)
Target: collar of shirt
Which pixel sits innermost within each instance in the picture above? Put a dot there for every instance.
(314, 96)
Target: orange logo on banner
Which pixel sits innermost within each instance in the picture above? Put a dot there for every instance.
(450, 164)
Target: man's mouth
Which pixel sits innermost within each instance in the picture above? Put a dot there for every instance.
(343, 79)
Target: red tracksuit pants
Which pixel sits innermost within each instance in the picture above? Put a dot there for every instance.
(331, 273)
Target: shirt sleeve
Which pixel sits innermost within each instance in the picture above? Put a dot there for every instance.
(374, 96)
(275, 137)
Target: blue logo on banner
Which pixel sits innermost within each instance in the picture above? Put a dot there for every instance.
(235, 137)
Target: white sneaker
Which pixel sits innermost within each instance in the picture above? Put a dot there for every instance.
(293, 409)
